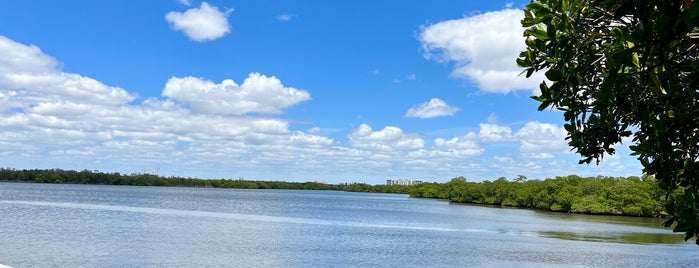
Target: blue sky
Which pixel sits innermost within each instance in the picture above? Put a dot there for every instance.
(278, 90)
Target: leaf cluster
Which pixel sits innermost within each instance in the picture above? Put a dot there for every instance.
(624, 70)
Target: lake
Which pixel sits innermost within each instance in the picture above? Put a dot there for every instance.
(58, 225)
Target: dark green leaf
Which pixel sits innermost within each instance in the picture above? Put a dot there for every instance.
(554, 75)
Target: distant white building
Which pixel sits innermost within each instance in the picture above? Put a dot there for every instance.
(403, 182)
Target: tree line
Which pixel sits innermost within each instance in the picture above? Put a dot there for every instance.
(632, 196)
(144, 179)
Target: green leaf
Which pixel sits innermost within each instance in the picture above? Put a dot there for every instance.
(554, 75)
(530, 71)
(669, 221)
(657, 83)
(530, 42)
(522, 63)
(683, 226)
(538, 32)
(569, 127)
(634, 59)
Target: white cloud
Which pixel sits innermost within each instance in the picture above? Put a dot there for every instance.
(257, 94)
(388, 139)
(201, 24)
(285, 17)
(314, 130)
(537, 140)
(185, 2)
(412, 77)
(463, 146)
(19, 58)
(28, 78)
(495, 133)
(53, 119)
(542, 140)
(434, 108)
(483, 48)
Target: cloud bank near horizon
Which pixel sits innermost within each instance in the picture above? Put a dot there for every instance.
(54, 119)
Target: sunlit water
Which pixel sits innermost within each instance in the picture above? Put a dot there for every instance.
(48, 225)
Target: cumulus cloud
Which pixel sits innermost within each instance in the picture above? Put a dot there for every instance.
(257, 94)
(28, 78)
(19, 58)
(495, 133)
(201, 24)
(431, 109)
(542, 140)
(462, 146)
(388, 139)
(483, 49)
(54, 119)
(537, 140)
(57, 117)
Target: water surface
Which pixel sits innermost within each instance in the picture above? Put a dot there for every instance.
(49, 225)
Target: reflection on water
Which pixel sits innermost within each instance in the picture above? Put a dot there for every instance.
(575, 227)
(634, 238)
(652, 230)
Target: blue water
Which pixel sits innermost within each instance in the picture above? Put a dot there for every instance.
(49, 225)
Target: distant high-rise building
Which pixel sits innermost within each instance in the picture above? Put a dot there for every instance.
(403, 182)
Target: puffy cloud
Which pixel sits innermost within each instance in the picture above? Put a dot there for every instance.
(537, 140)
(201, 24)
(542, 140)
(56, 117)
(257, 94)
(462, 146)
(434, 108)
(483, 48)
(495, 133)
(29, 77)
(51, 119)
(388, 139)
(19, 58)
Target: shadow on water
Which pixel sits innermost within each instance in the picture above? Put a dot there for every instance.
(582, 227)
(627, 238)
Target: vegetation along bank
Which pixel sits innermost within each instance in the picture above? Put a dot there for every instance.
(631, 196)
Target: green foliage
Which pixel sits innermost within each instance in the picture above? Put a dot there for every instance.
(624, 68)
(631, 196)
(96, 177)
(598, 195)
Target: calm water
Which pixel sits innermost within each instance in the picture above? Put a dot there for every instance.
(45, 225)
